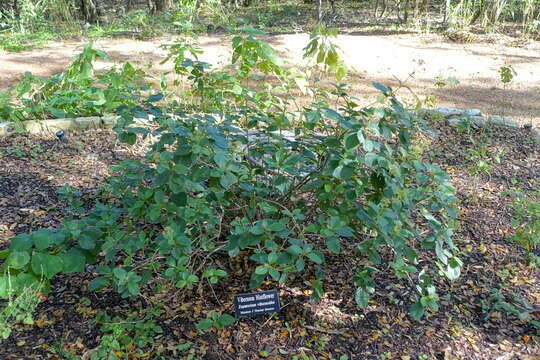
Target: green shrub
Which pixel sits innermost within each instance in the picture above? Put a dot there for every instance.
(287, 196)
(78, 91)
(252, 179)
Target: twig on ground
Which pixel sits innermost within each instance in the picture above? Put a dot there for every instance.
(333, 332)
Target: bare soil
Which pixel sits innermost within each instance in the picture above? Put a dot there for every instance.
(418, 60)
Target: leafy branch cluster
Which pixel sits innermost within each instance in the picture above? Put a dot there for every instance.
(78, 91)
(248, 177)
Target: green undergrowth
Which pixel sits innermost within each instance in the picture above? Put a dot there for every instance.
(247, 177)
(37, 22)
(238, 170)
(20, 42)
(77, 91)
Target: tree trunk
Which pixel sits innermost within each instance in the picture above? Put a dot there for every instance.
(382, 7)
(446, 11)
(162, 5)
(89, 11)
(9, 7)
(403, 6)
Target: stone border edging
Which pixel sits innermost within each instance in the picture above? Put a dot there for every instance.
(53, 125)
(453, 116)
(456, 117)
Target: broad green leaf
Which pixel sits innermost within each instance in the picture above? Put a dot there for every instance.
(128, 138)
(341, 72)
(277, 226)
(133, 288)
(257, 229)
(42, 240)
(98, 283)
(5, 288)
(362, 297)
(21, 242)
(86, 242)
(221, 159)
(333, 245)
(316, 258)
(155, 97)
(381, 87)
(268, 53)
(179, 199)
(368, 145)
(351, 141)
(227, 319)
(416, 311)
(345, 232)
(154, 214)
(274, 274)
(227, 180)
(261, 270)
(47, 265)
(74, 261)
(256, 280)
(370, 158)
(220, 273)
(300, 264)
(204, 324)
(237, 89)
(28, 280)
(453, 269)
(282, 183)
(343, 172)
(18, 259)
(272, 258)
(120, 273)
(266, 207)
(251, 31)
(294, 250)
(332, 114)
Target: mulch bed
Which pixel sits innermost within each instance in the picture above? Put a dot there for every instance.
(34, 168)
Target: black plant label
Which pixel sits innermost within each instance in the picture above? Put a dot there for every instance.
(256, 304)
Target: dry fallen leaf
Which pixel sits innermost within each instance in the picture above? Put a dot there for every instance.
(39, 323)
(429, 332)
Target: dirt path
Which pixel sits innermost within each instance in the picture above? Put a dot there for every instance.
(417, 59)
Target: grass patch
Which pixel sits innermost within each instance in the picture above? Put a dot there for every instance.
(21, 42)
